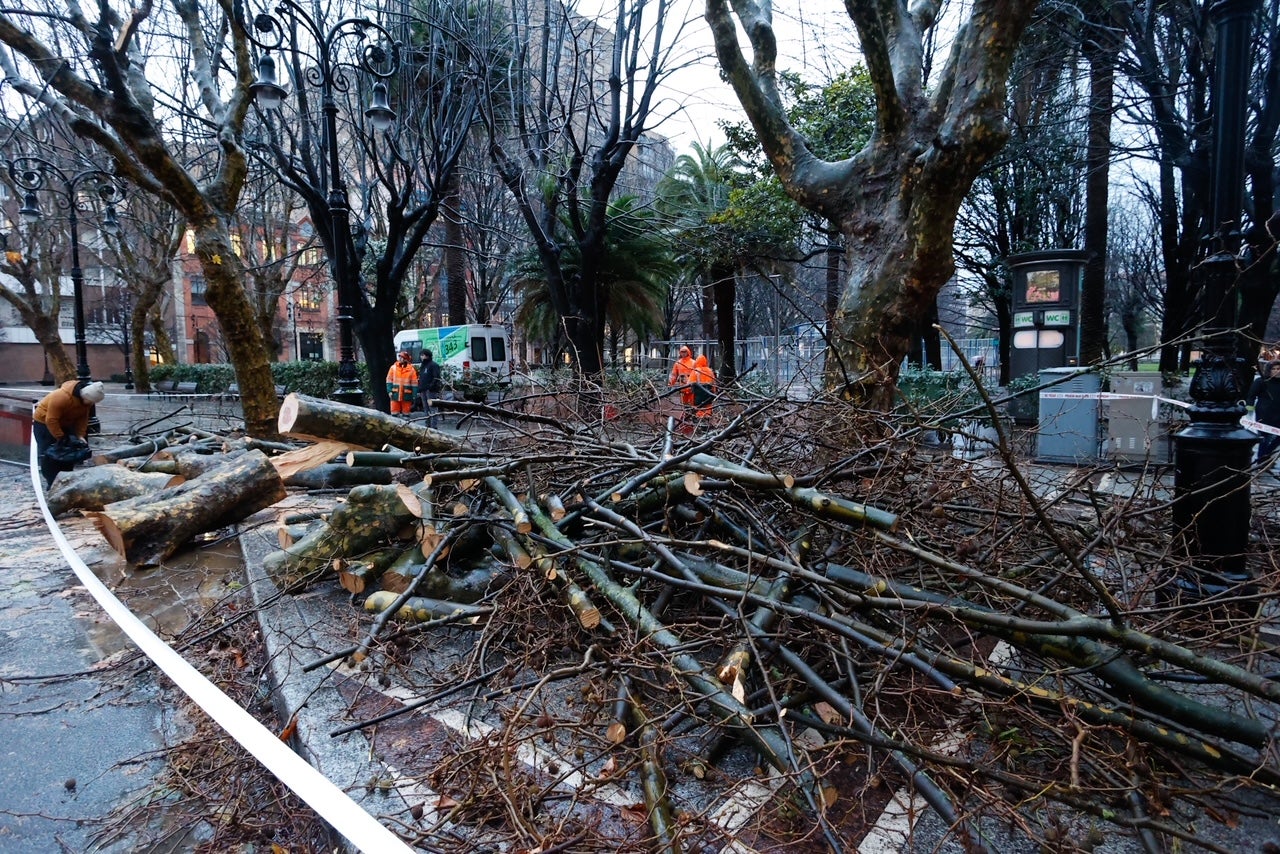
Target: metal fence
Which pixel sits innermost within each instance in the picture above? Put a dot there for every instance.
(796, 361)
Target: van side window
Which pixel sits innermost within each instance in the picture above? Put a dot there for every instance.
(478, 349)
(499, 349)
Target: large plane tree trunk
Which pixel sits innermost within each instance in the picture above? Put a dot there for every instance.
(895, 202)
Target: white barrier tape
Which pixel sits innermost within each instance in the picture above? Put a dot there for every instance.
(1156, 400)
(1251, 423)
(329, 801)
(1247, 421)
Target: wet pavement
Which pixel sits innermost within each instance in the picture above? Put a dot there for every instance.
(85, 723)
(80, 737)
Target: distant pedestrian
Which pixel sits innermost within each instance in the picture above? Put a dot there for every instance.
(429, 383)
(1264, 397)
(62, 418)
(680, 373)
(402, 384)
(703, 383)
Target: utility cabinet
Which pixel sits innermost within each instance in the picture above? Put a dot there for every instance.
(1136, 433)
(1069, 412)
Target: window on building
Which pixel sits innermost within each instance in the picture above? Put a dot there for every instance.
(309, 299)
(191, 241)
(237, 245)
(198, 287)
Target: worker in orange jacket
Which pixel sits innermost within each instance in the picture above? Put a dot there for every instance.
(703, 383)
(680, 372)
(402, 384)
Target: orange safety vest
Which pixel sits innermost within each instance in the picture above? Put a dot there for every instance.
(703, 376)
(680, 373)
(402, 381)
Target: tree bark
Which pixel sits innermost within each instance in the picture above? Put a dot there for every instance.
(1101, 46)
(95, 487)
(371, 517)
(895, 201)
(311, 418)
(149, 529)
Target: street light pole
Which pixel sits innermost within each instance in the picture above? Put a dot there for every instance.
(128, 321)
(1211, 509)
(32, 174)
(373, 59)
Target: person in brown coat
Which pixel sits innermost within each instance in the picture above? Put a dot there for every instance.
(61, 413)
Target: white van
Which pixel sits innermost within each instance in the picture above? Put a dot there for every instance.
(473, 347)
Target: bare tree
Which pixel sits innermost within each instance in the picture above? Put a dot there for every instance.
(565, 110)
(399, 178)
(895, 200)
(112, 80)
(151, 232)
(31, 262)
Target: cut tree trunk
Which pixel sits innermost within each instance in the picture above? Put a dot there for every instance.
(95, 487)
(372, 517)
(332, 475)
(311, 418)
(150, 528)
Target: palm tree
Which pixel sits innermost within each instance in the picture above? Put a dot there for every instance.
(637, 272)
(693, 196)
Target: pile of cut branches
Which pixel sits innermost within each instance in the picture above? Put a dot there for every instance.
(816, 588)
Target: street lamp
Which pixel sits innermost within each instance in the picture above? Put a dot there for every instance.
(128, 321)
(373, 59)
(31, 174)
(1211, 456)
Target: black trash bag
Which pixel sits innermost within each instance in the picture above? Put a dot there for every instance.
(68, 451)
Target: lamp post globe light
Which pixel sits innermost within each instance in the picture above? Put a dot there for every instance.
(379, 57)
(1212, 455)
(33, 174)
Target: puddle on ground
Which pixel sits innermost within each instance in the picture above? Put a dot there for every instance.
(167, 597)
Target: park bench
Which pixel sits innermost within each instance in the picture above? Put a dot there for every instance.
(164, 388)
(233, 392)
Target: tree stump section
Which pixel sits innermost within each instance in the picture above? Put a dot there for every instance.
(371, 517)
(311, 418)
(95, 487)
(150, 528)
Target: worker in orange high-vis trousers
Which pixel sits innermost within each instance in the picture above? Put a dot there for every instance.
(703, 383)
(402, 384)
(680, 372)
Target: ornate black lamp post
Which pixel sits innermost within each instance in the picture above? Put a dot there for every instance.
(32, 174)
(128, 320)
(1212, 455)
(328, 75)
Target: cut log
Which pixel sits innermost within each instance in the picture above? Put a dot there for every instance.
(308, 457)
(418, 609)
(97, 486)
(150, 528)
(191, 461)
(311, 418)
(287, 535)
(372, 517)
(356, 575)
(142, 449)
(334, 475)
